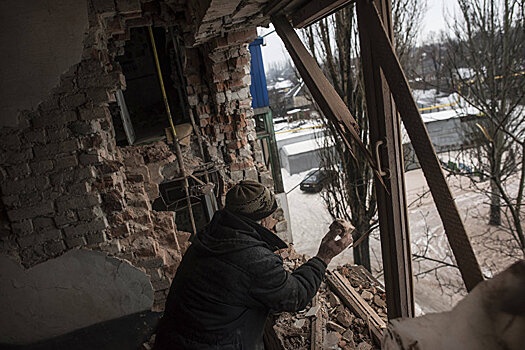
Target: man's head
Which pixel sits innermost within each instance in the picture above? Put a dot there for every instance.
(251, 199)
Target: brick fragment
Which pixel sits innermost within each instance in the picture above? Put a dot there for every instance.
(90, 213)
(66, 162)
(72, 242)
(10, 141)
(18, 156)
(34, 136)
(65, 218)
(119, 231)
(56, 135)
(85, 127)
(96, 238)
(85, 228)
(41, 167)
(94, 113)
(54, 247)
(128, 6)
(12, 200)
(23, 227)
(29, 240)
(44, 208)
(104, 6)
(42, 223)
(78, 202)
(19, 170)
(152, 263)
(73, 101)
(32, 198)
(161, 284)
(90, 159)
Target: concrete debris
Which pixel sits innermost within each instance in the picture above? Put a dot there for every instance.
(331, 341)
(364, 346)
(341, 329)
(336, 327)
(299, 323)
(367, 295)
(313, 310)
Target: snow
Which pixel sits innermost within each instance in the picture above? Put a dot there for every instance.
(296, 89)
(288, 134)
(442, 115)
(310, 221)
(281, 128)
(295, 110)
(285, 84)
(305, 146)
(466, 73)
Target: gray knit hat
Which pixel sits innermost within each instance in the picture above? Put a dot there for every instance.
(251, 199)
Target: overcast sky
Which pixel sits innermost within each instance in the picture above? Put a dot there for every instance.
(434, 21)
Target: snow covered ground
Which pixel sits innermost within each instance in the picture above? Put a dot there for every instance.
(437, 290)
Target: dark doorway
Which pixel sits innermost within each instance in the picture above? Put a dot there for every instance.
(140, 109)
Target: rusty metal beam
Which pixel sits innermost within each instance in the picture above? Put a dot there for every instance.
(391, 202)
(313, 11)
(372, 25)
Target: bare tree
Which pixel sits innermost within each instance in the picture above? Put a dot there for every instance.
(334, 43)
(486, 62)
(407, 16)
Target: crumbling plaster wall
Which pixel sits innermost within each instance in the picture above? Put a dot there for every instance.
(61, 176)
(66, 185)
(30, 70)
(76, 290)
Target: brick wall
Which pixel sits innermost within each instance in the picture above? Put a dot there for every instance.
(64, 182)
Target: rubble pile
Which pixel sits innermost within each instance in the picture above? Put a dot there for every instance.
(337, 326)
(367, 286)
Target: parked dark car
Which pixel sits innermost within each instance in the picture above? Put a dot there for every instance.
(315, 180)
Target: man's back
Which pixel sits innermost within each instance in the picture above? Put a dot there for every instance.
(226, 284)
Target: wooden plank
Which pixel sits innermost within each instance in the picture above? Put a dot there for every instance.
(351, 298)
(275, 6)
(332, 106)
(391, 201)
(315, 11)
(318, 327)
(383, 52)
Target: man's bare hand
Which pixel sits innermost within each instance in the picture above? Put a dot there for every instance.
(330, 247)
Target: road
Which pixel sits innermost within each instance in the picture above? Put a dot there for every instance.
(435, 291)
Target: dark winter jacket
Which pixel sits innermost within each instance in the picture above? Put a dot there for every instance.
(228, 281)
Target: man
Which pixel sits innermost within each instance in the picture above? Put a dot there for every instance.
(230, 278)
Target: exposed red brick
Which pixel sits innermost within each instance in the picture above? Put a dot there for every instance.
(237, 144)
(243, 36)
(114, 26)
(241, 165)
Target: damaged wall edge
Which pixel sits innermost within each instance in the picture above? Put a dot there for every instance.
(66, 185)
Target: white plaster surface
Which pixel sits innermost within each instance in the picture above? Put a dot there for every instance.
(75, 290)
(492, 316)
(40, 41)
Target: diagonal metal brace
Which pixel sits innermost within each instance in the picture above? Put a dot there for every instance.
(383, 51)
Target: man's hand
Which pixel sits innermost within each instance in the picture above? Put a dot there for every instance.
(330, 247)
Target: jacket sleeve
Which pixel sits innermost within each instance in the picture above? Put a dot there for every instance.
(279, 290)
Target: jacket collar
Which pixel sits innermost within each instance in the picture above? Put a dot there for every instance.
(265, 235)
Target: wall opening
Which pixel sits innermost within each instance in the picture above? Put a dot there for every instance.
(139, 115)
(173, 198)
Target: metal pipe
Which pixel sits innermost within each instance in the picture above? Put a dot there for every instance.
(178, 151)
(188, 109)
